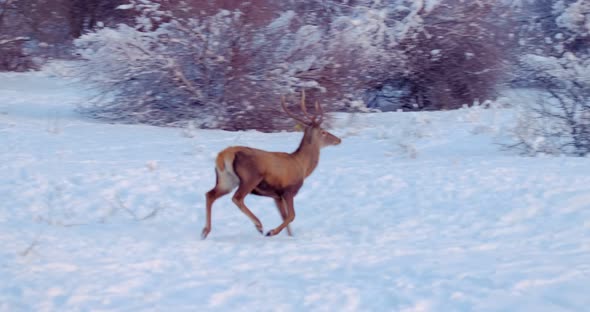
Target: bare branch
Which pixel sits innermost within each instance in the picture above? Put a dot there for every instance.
(13, 40)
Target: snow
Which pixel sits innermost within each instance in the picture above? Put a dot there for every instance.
(575, 16)
(568, 67)
(413, 212)
(282, 21)
(125, 7)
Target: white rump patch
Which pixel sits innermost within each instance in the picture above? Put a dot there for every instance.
(228, 180)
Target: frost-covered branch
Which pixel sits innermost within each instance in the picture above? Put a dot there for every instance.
(13, 40)
(559, 123)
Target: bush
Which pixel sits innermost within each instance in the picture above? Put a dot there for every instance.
(14, 57)
(456, 58)
(559, 123)
(219, 71)
(178, 65)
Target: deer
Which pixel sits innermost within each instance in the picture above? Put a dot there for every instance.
(277, 175)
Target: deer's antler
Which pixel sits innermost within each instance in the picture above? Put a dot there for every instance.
(304, 108)
(316, 119)
(319, 113)
(291, 114)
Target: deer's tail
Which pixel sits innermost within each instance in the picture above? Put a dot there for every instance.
(227, 179)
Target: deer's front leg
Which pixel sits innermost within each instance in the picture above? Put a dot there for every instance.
(288, 200)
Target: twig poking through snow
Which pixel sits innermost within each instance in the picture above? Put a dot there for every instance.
(30, 248)
(150, 215)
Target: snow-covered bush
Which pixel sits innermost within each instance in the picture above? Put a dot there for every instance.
(456, 57)
(158, 71)
(33, 32)
(13, 55)
(211, 70)
(575, 17)
(559, 123)
(220, 70)
(227, 69)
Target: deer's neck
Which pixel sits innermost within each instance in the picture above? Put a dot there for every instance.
(307, 155)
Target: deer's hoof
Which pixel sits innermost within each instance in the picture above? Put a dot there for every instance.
(270, 233)
(205, 233)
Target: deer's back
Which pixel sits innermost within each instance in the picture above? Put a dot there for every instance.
(278, 170)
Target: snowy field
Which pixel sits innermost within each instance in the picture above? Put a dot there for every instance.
(413, 212)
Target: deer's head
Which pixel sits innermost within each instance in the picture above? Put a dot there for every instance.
(313, 131)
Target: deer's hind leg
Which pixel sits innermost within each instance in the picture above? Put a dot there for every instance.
(225, 183)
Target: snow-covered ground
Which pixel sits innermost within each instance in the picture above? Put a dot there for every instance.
(413, 212)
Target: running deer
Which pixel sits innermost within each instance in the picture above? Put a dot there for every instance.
(272, 174)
